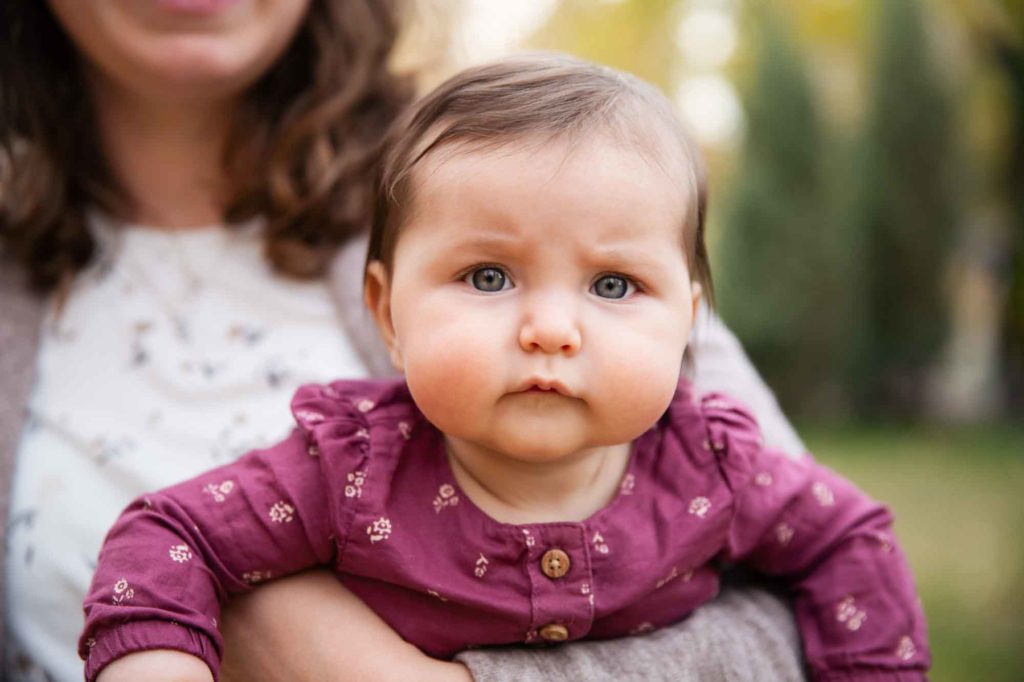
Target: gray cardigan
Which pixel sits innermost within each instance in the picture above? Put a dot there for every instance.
(744, 635)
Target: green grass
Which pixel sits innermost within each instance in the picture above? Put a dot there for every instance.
(958, 498)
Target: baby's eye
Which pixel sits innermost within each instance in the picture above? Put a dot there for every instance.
(612, 286)
(489, 279)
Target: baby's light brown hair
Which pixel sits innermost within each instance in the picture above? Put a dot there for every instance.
(540, 97)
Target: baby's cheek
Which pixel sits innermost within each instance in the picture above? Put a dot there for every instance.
(447, 379)
(638, 391)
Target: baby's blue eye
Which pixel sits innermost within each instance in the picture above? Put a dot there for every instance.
(611, 286)
(488, 279)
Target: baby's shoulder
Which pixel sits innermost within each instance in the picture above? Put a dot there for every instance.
(712, 426)
(357, 400)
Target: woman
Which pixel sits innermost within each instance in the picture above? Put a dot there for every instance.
(180, 183)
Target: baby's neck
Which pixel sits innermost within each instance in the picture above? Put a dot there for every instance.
(513, 491)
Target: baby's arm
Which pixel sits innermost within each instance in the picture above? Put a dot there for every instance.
(174, 555)
(308, 628)
(854, 595)
(159, 665)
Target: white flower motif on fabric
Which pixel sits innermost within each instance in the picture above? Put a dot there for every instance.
(362, 433)
(480, 569)
(848, 613)
(379, 530)
(356, 479)
(528, 539)
(313, 451)
(180, 553)
(147, 503)
(599, 543)
(123, 592)
(700, 506)
(434, 594)
(642, 628)
(405, 428)
(673, 574)
(823, 494)
(585, 588)
(531, 635)
(784, 533)
(445, 497)
(706, 444)
(905, 650)
(308, 416)
(885, 540)
(219, 491)
(254, 577)
(90, 643)
(763, 479)
(281, 512)
(330, 392)
(628, 484)
(365, 405)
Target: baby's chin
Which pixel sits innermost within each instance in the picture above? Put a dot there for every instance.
(549, 447)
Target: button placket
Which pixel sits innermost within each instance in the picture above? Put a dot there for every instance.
(558, 567)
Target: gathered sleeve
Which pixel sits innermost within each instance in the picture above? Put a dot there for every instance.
(174, 555)
(855, 601)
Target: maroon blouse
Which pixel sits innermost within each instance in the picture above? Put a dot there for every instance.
(363, 485)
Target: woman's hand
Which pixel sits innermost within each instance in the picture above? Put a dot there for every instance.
(309, 627)
(157, 665)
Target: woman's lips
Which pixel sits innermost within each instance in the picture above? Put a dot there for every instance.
(196, 6)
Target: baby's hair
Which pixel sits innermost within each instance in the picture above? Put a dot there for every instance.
(540, 97)
(302, 152)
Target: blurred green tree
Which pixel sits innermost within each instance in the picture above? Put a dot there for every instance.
(778, 262)
(904, 212)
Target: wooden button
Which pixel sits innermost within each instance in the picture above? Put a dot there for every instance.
(555, 563)
(554, 632)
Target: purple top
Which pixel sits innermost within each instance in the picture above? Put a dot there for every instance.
(364, 485)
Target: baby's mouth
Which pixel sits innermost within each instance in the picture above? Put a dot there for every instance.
(544, 387)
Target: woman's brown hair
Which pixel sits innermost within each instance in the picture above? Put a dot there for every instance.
(540, 97)
(302, 152)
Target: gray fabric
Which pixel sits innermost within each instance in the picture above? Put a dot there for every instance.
(743, 636)
(21, 315)
(721, 365)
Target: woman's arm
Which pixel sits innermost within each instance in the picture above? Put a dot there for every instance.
(309, 627)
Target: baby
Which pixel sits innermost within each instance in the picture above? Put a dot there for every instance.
(542, 473)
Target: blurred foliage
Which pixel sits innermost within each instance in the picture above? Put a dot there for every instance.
(634, 36)
(780, 265)
(903, 216)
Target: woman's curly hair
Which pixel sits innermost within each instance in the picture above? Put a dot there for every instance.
(302, 152)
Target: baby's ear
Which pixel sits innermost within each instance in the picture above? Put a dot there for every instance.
(377, 295)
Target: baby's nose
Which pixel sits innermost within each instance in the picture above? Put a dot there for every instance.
(550, 328)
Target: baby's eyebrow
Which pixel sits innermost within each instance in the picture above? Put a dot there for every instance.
(617, 253)
(488, 240)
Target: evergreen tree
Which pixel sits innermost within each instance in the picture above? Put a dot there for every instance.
(778, 277)
(905, 212)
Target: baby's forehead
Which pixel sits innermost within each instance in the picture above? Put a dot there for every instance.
(549, 157)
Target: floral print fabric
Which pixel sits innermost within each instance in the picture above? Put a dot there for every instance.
(363, 485)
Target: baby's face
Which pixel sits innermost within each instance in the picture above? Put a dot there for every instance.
(540, 300)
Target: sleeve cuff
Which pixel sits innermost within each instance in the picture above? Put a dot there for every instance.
(146, 636)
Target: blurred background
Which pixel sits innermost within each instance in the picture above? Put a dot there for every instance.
(867, 235)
